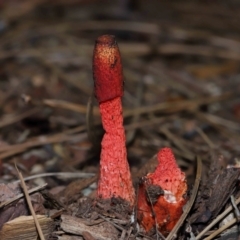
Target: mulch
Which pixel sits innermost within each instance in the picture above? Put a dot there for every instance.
(181, 71)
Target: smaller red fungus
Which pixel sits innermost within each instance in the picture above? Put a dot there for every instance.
(166, 204)
(115, 178)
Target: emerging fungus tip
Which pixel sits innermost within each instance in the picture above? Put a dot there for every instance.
(107, 69)
(114, 178)
(168, 205)
(168, 175)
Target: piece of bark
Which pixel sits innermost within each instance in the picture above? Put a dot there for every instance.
(73, 191)
(101, 231)
(51, 201)
(222, 189)
(84, 207)
(24, 228)
(215, 195)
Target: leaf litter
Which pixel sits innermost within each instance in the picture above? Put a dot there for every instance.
(181, 91)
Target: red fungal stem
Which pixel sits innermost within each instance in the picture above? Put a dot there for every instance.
(168, 207)
(115, 178)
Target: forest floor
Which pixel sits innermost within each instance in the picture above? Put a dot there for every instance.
(182, 90)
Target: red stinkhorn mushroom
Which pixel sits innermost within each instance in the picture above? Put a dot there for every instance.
(166, 188)
(114, 178)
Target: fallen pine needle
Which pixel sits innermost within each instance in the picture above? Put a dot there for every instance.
(189, 205)
(21, 195)
(215, 221)
(23, 185)
(60, 175)
(224, 227)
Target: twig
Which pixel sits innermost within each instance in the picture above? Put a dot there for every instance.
(189, 205)
(45, 139)
(13, 118)
(40, 233)
(114, 224)
(139, 95)
(153, 212)
(123, 235)
(129, 233)
(218, 231)
(173, 107)
(11, 150)
(60, 175)
(219, 121)
(177, 141)
(54, 103)
(90, 121)
(164, 107)
(236, 211)
(205, 138)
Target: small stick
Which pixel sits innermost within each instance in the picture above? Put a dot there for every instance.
(60, 175)
(10, 150)
(90, 122)
(153, 213)
(236, 211)
(205, 138)
(144, 181)
(189, 205)
(223, 228)
(129, 233)
(123, 235)
(40, 233)
(114, 224)
(5, 121)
